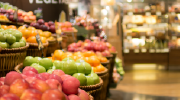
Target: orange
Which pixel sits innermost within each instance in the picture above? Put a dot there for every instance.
(94, 69)
(46, 34)
(12, 27)
(100, 68)
(22, 27)
(4, 27)
(43, 39)
(51, 58)
(33, 33)
(32, 39)
(94, 61)
(26, 33)
(40, 32)
(87, 60)
(31, 28)
(58, 54)
(88, 53)
(75, 58)
(102, 59)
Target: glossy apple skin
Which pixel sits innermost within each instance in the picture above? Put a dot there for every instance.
(11, 77)
(40, 85)
(4, 89)
(58, 72)
(46, 75)
(73, 97)
(9, 96)
(54, 84)
(29, 73)
(26, 69)
(18, 87)
(40, 77)
(31, 94)
(30, 79)
(53, 94)
(83, 95)
(56, 77)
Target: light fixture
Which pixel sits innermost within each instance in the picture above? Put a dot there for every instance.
(129, 0)
(104, 11)
(107, 8)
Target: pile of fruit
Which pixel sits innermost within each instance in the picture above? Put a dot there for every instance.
(45, 26)
(11, 38)
(67, 27)
(30, 33)
(79, 69)
(3, 18)
(89, 57)
(30, 85)
(99, 47)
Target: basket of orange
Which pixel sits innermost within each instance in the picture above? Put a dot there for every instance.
(13, 49)
(30, 35)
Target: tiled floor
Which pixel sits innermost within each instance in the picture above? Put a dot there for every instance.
(148, 85)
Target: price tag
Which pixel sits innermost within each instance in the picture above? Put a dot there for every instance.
(174, 37)
(158, 50)
(129, 37)
(136, 51)
(158, 13)
(143, 37)
(148, 14)
(152, 37)
(130, 13)
(151, 50)
(143, 50)
(166, 50)
(173, 13)
(126, 50)
(38, 39)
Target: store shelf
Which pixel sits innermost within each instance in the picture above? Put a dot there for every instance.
(145, 37)
(143, 13)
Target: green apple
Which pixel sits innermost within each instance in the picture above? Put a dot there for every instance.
(46, 63)
(82, 78)
(58, 64)
(80, 68)
(90, 80)
(69, 67)
(2, 37)
(95, 78)
(37, 59)
(22, 40)
(15, 45)
(4, 45)
(28, 61)
(67, 58)
(22, 44)
(10, 38)
(17, 34)
(87, 67)
(9, 31)
(38, 67)
(50, 71)
(80, 60)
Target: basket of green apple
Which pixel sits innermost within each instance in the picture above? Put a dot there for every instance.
(13, 50)
(89, 81)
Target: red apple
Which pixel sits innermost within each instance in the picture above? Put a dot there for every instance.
(11, 77)
(70, 85)
(46, 75)
(112, 49)
(53, 94)
(46, 24)
(52, 29)
(58, 72)
(50, 23)
(18, 87)
(28, 68)
(31, 94)
(2, 79)
(40, 85)
(41, 21)
(83, 95)
(23, 76)
(54, 84)
(9, 96)
(56, 77)
(71, 49)
(4, 89)
(63, 77)
(43, 27)
(29, 73)
(40, 77)
(87, 40)
(73, 97)
(30, 79)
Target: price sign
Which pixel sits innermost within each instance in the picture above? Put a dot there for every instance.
(148, 14)
(38, 39)
(130, 13)
(143, 50)
(151, 50)
(158, 50)
(158, 13)
(136, 51)
(126, 50)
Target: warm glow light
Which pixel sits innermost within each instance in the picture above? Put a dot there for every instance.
(178, 15)
(144, 66)
(137, 41)
(104, 11)
(129, 0)
(107, 7)
(105, 18)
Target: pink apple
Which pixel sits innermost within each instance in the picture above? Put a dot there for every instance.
(46, 75)
(58, 72)
(29, 73)
(2, 79)
(83, 95)
(11, 77)
(73, 97)
(30, 79)
(63, 77)
(4, 89)
(54, 84)
(40, 85)
(53, 94)
(40, 77)
(56, 77)
(23, 76)
(28, 68)
(31, 93)
(9, 96)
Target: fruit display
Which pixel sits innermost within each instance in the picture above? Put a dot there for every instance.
(11, 38)
(31, 85)
(45, 26)
(78, 69)
(3, 18)
(67, 27)
(99, 47)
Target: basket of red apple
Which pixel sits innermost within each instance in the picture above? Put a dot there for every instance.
(79, 69)
(13, 50)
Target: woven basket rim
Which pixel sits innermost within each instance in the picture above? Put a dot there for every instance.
(17, 67)
(109, 56)
(52, 41)
(93, 87)
(105, 62)
(36, 44)
(15, 49)
(103, 72)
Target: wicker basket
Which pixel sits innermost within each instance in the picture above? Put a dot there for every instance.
(70, 37)
(34, 51)
(52, 46)
(96, 93)
(9, 58)
(105, 64)
(105, 77)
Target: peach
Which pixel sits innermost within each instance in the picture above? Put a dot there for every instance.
(31, 94)
(70, 85)
(53, 94)
(29, 73)
(4, 89)
(11, 77)
(58, 72)
(9, 96)
(73, 97)
(83, 95)
(46, 75)
(54, 84)
(28, 68)
(56, 77)
(40, 85)
(19, 86)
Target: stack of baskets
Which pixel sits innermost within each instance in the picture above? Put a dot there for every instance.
(9, 58)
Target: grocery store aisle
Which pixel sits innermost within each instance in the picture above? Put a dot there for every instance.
(148, 85)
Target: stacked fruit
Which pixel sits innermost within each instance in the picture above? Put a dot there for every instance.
(3, 18)
(67, 27)
(99, 47)
(44, 86)
(11, 38)
(79, 69)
